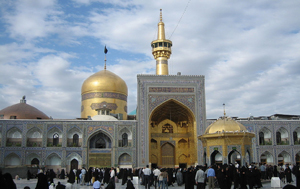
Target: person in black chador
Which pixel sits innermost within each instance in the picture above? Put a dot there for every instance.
(106, 176)
(257, 177)
(288, 174)
(243, 177)
(250, 177)
(42, 182)
(28, 175)
(71, 177)
(129, 185)
(236, 178)
(124, 173)
(296, 172)
(60, 186)
(221, 177)
(78, 172)
(189, 182)
(62, 174)
(9, 180)
(2, 180)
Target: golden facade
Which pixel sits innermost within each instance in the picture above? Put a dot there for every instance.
(173, 140)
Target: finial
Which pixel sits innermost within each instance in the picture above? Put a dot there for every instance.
(105, 52)
(224, 109)
(161, 15)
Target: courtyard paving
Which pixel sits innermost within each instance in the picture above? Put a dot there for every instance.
(32, 184)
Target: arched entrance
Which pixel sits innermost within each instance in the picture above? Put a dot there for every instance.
(267, 158)
(216, 158)
(234, 156)
(35, 162)
(100, 149)
(172, 133)
(74, 164)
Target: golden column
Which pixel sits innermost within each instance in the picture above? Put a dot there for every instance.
(161, 49)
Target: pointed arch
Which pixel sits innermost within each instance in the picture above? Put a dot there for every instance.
(266, 157)
(265, 136)
(125, 159)
(216, 157)
(53, 159)
(100, 140)
(296, 136)
(14, 137)
(182, 143)
(153, 144)
(284, 158)
(182, 159)
(154, 159)
(34, 137)
(282, 136)
(73, 156)
(12, 160)
(74, 138)
(30, 157)
(234, 156)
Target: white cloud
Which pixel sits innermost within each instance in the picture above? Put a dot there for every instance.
(248, 51)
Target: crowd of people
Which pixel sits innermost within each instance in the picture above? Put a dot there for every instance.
(216, 176)
(221, 176)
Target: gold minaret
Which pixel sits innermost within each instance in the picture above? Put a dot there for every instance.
(161, 49)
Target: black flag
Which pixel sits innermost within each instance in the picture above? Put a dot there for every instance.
(105, 50)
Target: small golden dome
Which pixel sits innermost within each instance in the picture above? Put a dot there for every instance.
(225, 124)
(104, 81)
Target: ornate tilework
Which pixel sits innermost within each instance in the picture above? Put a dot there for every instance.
(111, 106)
(171, 90)
(58, 126)
(103, 95)
(108, 129)
(186, 100)
(125, 109)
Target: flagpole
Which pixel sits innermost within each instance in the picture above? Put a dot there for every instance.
(105, 62)
(105, 52)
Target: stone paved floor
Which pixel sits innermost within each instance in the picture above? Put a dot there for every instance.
(32, 184)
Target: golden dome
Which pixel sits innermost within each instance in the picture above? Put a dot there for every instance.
(22, 111)
(104, 81)
(225, 124)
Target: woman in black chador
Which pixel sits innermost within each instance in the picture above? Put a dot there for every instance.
(124, 176)
(42, 182)
(288, 174)
(243, 177)
(28, 175)
(189, 182)
(71, 177)
(62, 174)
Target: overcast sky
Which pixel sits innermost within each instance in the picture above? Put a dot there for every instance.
(248, 51)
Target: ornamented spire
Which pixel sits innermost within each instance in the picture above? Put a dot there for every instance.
(105, 52)
(161, 49)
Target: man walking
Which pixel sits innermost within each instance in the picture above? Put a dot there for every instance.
(199, 178)
(147, 173)
(211, 175)
(156, 173)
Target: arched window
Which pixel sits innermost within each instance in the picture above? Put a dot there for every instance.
(261, 138)
(295, 137)
(278, 137)
(100, 143)
(35, 161)
(124, 139)
(55, 139)
(75, 140)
